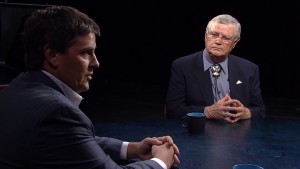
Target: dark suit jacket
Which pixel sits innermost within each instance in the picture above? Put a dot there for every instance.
(190, 88)
(41, 129)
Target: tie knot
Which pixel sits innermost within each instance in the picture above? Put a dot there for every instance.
(216, 70)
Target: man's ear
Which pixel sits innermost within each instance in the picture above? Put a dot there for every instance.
(235, 42)
(51, 57)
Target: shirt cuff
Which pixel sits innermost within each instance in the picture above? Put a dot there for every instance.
(161, 163)
(123, 152)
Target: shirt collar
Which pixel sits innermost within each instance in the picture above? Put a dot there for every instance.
(74, 97)
(208, 62)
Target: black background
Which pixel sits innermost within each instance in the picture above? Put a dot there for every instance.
(141, 38)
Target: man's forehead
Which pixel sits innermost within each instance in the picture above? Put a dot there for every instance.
(224, 28)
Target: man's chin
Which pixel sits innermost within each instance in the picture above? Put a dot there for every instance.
(83, 88)
(86, 88)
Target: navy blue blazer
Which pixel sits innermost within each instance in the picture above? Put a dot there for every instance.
(190, 88)
(41, 129)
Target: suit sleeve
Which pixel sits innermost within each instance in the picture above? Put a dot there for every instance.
(177, 103)
(66, 140)
(256, 103)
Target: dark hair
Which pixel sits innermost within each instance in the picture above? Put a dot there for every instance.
(55, 26)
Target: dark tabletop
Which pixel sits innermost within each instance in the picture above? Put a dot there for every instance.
(270, 143)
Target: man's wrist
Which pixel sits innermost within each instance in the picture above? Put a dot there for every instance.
(247, 114)
(207, 112)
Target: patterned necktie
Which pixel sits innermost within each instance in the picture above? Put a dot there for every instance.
(216, 70)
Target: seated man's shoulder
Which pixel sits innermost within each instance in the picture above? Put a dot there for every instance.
(190, 57)
(243, 61)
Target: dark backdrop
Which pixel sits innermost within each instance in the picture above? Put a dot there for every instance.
(141, 38)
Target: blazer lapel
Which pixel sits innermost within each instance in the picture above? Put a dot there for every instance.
(202, 78)
(232, 77)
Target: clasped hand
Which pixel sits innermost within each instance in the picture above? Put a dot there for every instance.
(162, 148)
(231, 110)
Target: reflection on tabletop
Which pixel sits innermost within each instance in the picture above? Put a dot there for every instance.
(270, 143)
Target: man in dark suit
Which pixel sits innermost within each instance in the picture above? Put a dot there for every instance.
(215, 82)
(41, 125)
